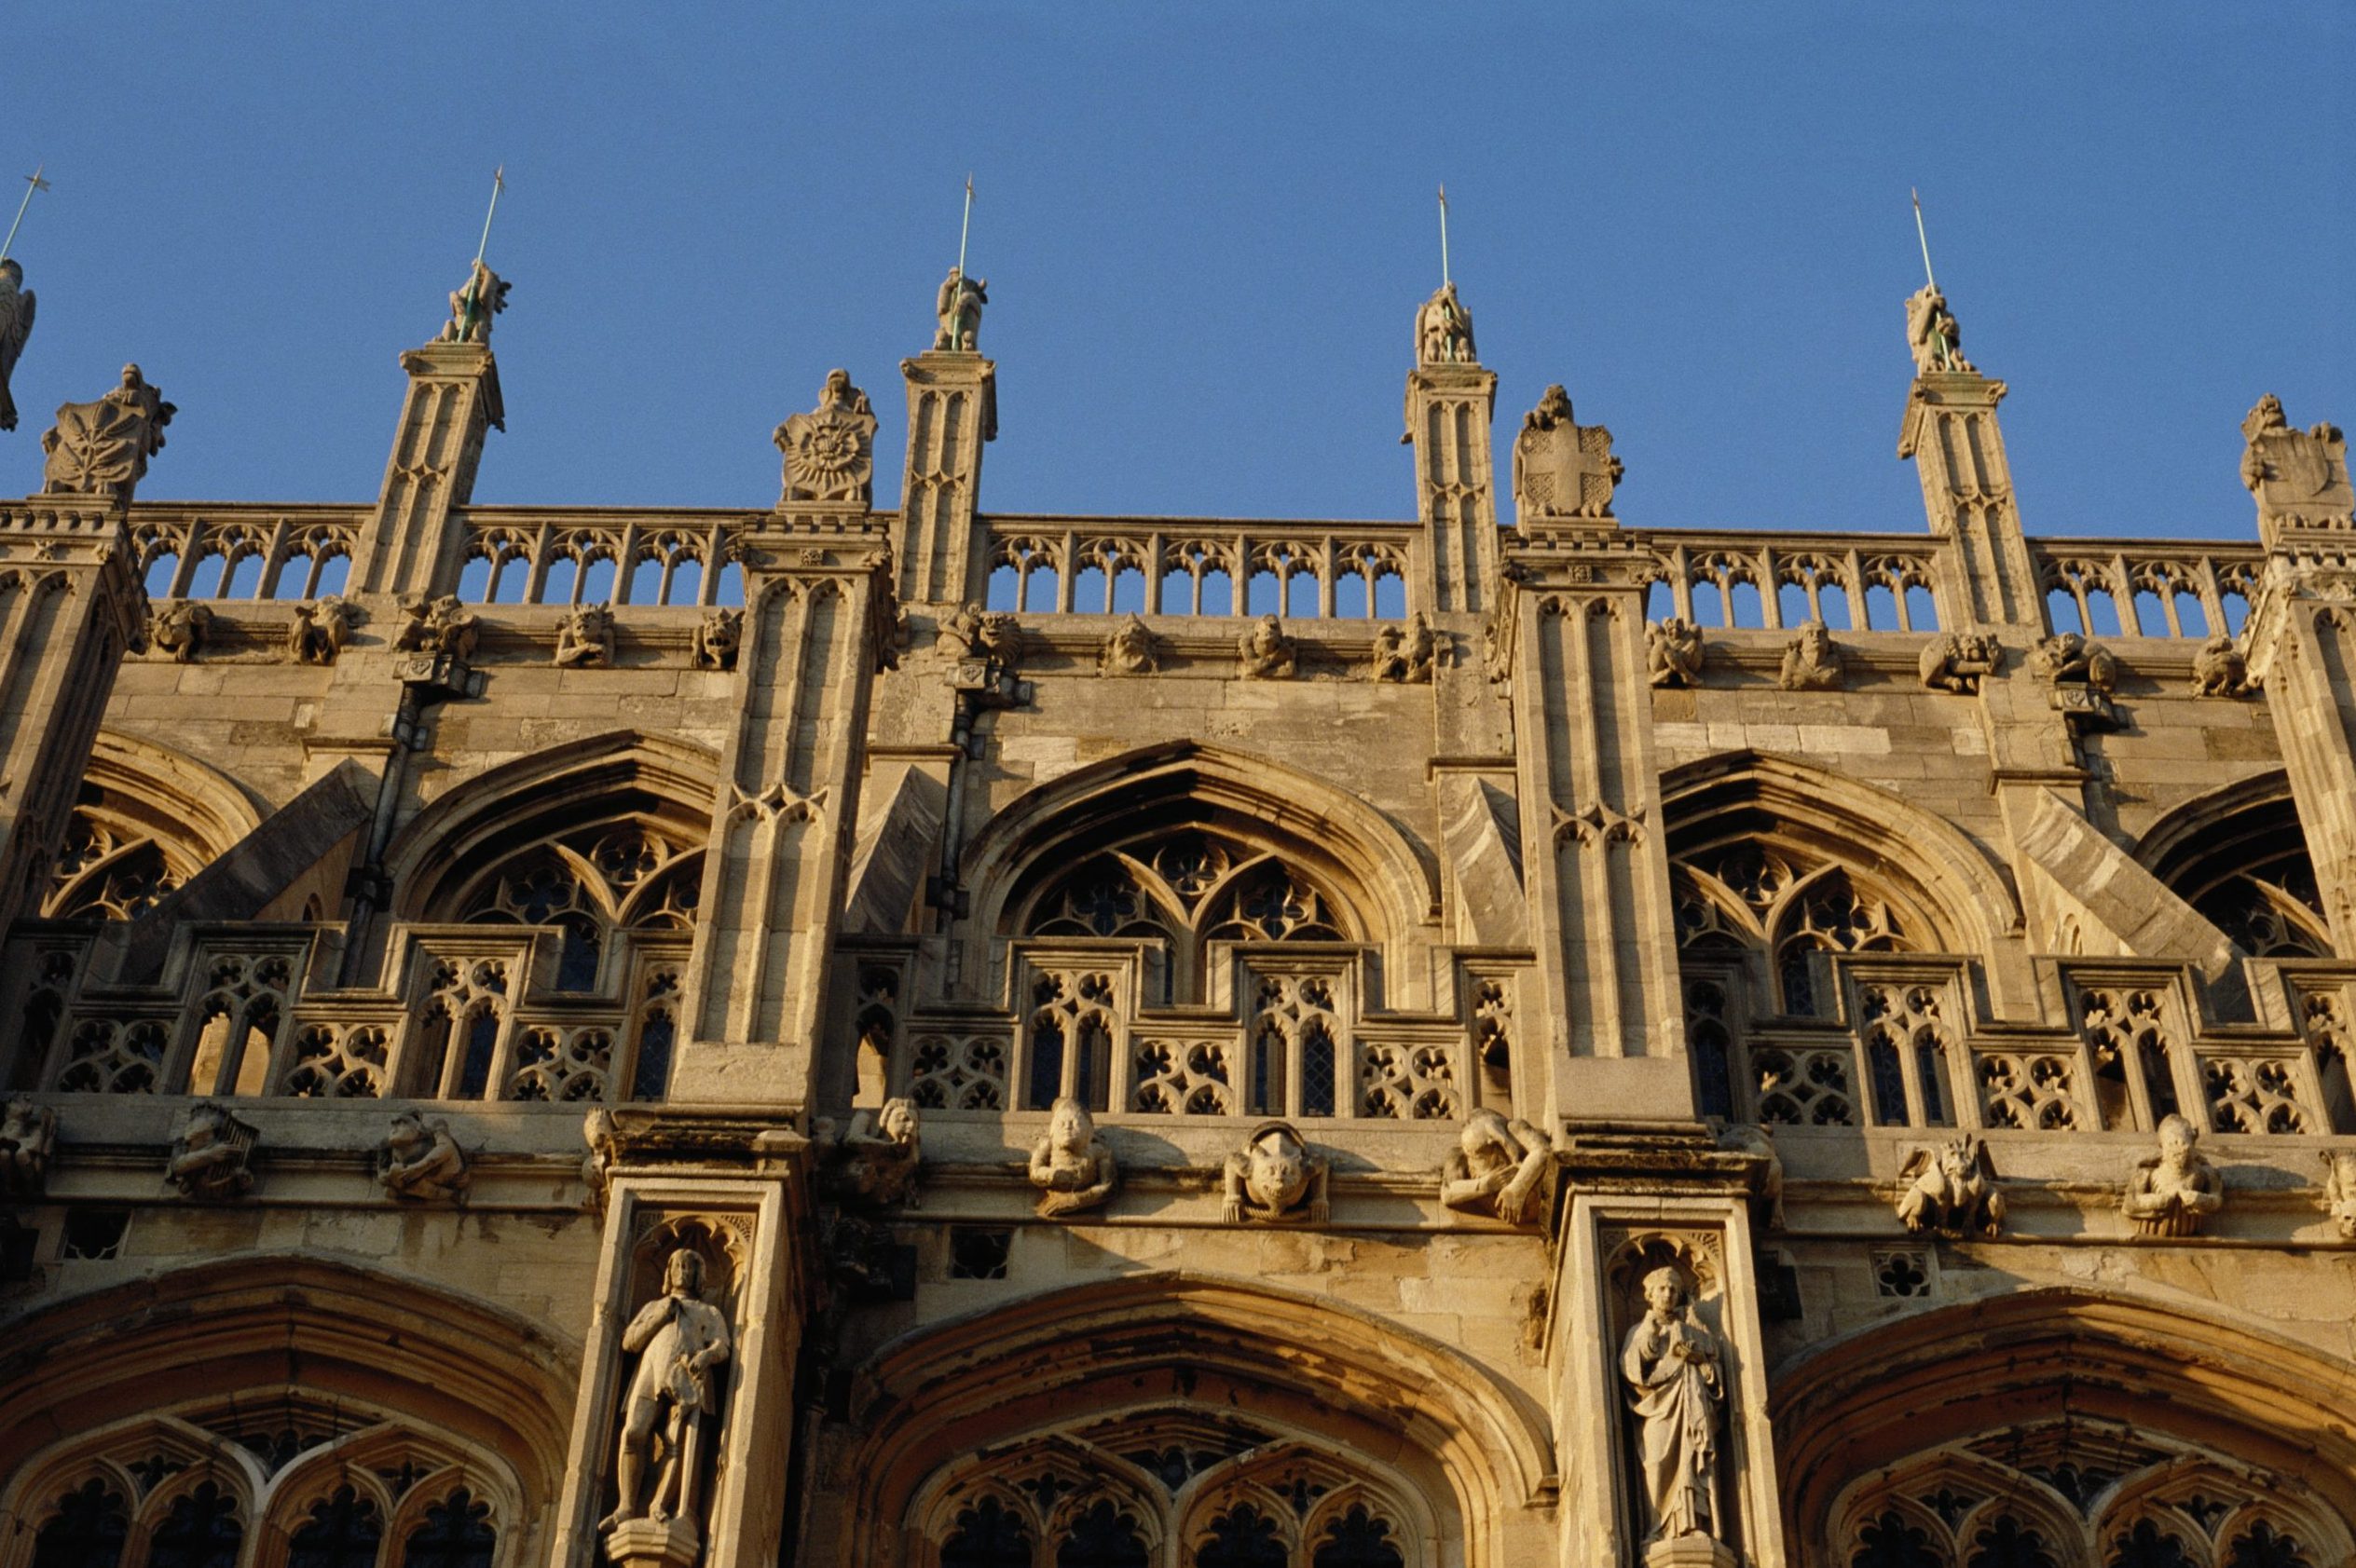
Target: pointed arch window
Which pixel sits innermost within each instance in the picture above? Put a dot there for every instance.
(344, 1531)
(458, 1532)
(1243, 1537)
(1358, 1540)
(86, 1530)
(989, 1535)
(201, 1529)
(1103, 1537)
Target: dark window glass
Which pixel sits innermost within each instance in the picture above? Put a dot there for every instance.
(650, 1078)
(1242, 1537)
(1358, 1540)
(86, 1531)
(343, 1532)
(456, 1534)
(1103, 1537)
(482, 1038)
(988, 1535)
(201, 1531)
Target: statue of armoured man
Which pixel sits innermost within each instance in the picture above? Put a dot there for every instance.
(679, 1338)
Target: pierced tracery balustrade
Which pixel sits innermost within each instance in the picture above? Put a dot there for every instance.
(256, 552)
(1189, 566)
(510, 556)
(1854, 583)
(2127, 588)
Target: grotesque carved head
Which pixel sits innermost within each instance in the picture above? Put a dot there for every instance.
(896, 1121)
(2178, 1140)
(1070, 1129)
(1277, 1166)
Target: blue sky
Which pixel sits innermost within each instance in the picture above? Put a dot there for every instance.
(1206, 229)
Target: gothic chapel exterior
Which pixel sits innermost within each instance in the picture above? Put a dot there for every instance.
(542, 1037)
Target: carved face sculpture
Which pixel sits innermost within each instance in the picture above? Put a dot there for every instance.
(1276, 1170)
(683, 1275)
(2177, 1139)
(408, 1131)
(1665, 1292)
(1070, 1129)
(1954, 1165)
(896, 1121)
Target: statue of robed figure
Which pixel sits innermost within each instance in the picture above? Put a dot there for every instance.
(1676, 1374)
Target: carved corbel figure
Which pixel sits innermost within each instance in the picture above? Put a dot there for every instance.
(1275, 1177)
(320, 630)
(16, 325)
(209, 1157)
(2340, 1189)
(2082, 673)
(1444, 330)
(875, 1160)
(1268, 651)
(1810, 662)
(959, 307)
(679, 1339)
(2173, 1191)
(1673, 652)
(473, 303)
(1497, 1167)
(605, 1153)
(1951, 1191)
(1674, 1370)
(586, 639)
(717, 638)
(1931, 331)
(830, 451)
(1073, 1166)
(420, 1161)
(1133, 649)
(102, 448)
(2220, 668)
(442, 626)
(1958, 661)
(1405, 656)
(181, 628)
(28, 1137)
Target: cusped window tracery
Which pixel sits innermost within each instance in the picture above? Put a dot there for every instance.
(1218, 1491)
(2243, 863)
(2081, 1493)
(588, 884)
(210, 1485)
(1794, 909)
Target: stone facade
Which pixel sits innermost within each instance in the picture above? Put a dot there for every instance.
(953, 1039)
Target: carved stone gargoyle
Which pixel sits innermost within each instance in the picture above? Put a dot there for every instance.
(1268, 651)
(1073, 1166)
(420, 1162)
(2220, 668)
(1958, 661)
(1275, 1177)
(1673, 652)
(585, 638)
(2082, 675)
(1812, 662)
(2340, 1189)
(181, 628)
(2172, 1192)
(719, 639)
(1133, 649)
(1498, 1168)
(1951, 1190)
(320, 630)
(873, 1162)
(1406, 655)
(209, 1158)
(28, 1135)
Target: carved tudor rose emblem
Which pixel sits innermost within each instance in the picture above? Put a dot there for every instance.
(1562, 468)
(830, 451)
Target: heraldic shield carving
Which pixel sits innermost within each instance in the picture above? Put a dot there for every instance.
(830, 451)
(2299, 477)
(1562, 468)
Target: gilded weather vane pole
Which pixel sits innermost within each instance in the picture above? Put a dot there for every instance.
(475, 278)
(1445, 278)
(33, 182)
(1924, 238)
